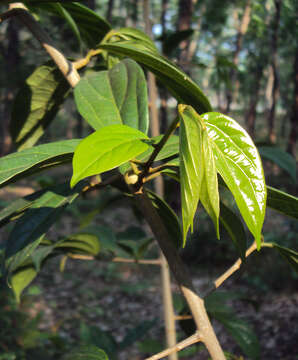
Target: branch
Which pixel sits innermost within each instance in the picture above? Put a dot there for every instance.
(141, 261)
(236, 266)
(178, 347)
(66, 67)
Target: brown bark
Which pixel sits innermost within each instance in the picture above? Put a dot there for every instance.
(12, 59)
(294, 116)
(254, 98)
(241, 31)
(184, 22)
(110, 10)
(274, 65)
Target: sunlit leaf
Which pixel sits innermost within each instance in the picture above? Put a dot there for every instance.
(191, 164)
(238, 162)
(26, 162)
(37, 104)
(117, 96)
(83, 243)
(180, 85)
(21, 279)
(106, 149)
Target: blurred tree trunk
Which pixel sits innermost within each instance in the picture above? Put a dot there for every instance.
(12, 59)
(274, 67)
(185, 12)
(254, 98)
(241, 31)
(110, 10)
(294, 116)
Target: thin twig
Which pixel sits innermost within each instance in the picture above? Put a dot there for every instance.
(66, 67)
(183, 317)
(80, 256)
(178, 347)
(136, 261)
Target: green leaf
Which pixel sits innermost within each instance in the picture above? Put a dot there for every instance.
(238, 162)
(26, 162)
(209, 188)
(30, 229)
(235, 229)
(80, 243)
(191, 164)
(37, 104)
(92, 27)
(181, 86)
(168, 217)
(86, 352)
(106, 149)
(137, 333)
(280, 157)
(172, 40)
(117, 96)
(241, 332)
(21, 279)
(291, 256)
(282, 202)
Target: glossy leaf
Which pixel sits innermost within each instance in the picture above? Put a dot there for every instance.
(30, 229)
(209, 187)
(37, 104)
(168, 217)
(235, 229)
(106, 149)
(117, 96)
(26, 162)
(191, 164)
(238, 162)
(80, 243)
(180, 85)
(86, 352)
(282, 202)
(283, 159)
(21, 279)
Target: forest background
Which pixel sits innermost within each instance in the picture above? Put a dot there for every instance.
(244, 56)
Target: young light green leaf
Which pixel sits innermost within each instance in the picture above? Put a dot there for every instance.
(181, 86)
(26, 162)
(37, 104)
(282, 202)
(117, 96)
(191, 164)
(106, 149)
(86, 352)
(209, 188)
(238, 162)
(21, 279)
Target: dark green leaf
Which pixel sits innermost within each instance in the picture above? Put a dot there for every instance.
(191, 164)
(86, 352)
(181, 86)
(283, 159)
(106, 149)
(105, 235)
(238, 162)
(136, 334)
(282, 202)
(291, 256)
(117, 96)
(92, 27)
(21, 279)
(171, 41)
(37, 104)
(168, 217)
(26, 162)
(235, 229)
(30, 229)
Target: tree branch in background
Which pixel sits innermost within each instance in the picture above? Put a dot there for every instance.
(18, 9)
